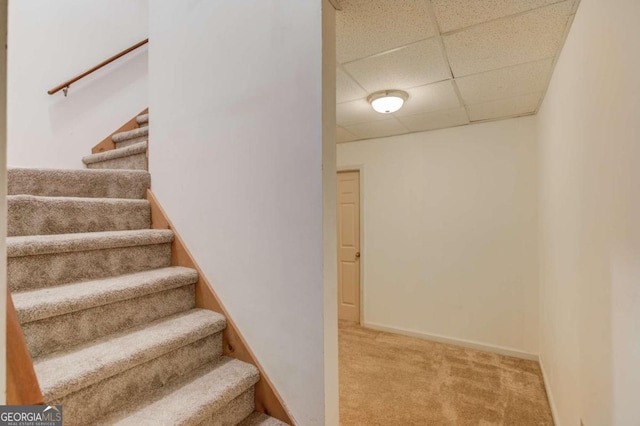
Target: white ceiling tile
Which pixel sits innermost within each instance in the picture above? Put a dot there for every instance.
(435, 120)
(366, 27)
(506, 82)
(414, 65)
(455, 14)
(431, 97)
(377, 129)
(355, 112)
(346, 88)
(504, 107)
(509, 41)
(343, 135)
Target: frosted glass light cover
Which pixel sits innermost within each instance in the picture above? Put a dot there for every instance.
(387, 104)
(387, 101)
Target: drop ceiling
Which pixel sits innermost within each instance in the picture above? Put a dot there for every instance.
(460, 61)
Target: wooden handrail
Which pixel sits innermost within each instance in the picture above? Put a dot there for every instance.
(22, 383)
(68, 83)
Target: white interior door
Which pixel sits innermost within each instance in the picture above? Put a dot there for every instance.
(349, 246)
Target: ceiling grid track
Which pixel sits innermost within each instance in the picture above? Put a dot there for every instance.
(434, 22)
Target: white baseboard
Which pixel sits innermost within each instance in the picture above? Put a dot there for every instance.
(547, 387)
(453, 341)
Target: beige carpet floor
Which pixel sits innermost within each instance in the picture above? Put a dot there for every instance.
(388, 379)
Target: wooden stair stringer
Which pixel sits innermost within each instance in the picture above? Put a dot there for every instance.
(267, 399)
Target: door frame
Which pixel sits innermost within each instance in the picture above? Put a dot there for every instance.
(360, 169)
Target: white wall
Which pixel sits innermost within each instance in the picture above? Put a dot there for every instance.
(329, 217)
(589, 131)
(3, 204)
(53, 41)
(449, 232)
(236, 97)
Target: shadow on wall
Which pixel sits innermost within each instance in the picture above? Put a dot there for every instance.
(85, 95)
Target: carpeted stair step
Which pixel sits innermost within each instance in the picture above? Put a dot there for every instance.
(48, 260)
(98, 377)
(37, 215)
(143, 120)
(111, 326)
(215, 395)
(130, 137)
(79, 183)
(260, 419)
(132, 157)
(59, 317)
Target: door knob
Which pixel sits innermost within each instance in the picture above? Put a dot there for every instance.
(357, 254)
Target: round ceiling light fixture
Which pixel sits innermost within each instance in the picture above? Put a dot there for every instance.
(387, 101)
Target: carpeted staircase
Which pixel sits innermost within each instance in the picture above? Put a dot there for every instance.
(112, 327)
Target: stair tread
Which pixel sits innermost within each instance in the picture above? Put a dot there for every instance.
(134, 149)
(45, 244)
(43, 215)
(79, 183)
(260, 419)
(191, 399)
(34, 305)
(67, 371)
(142, 118)
(130, 134)
(77, 200)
